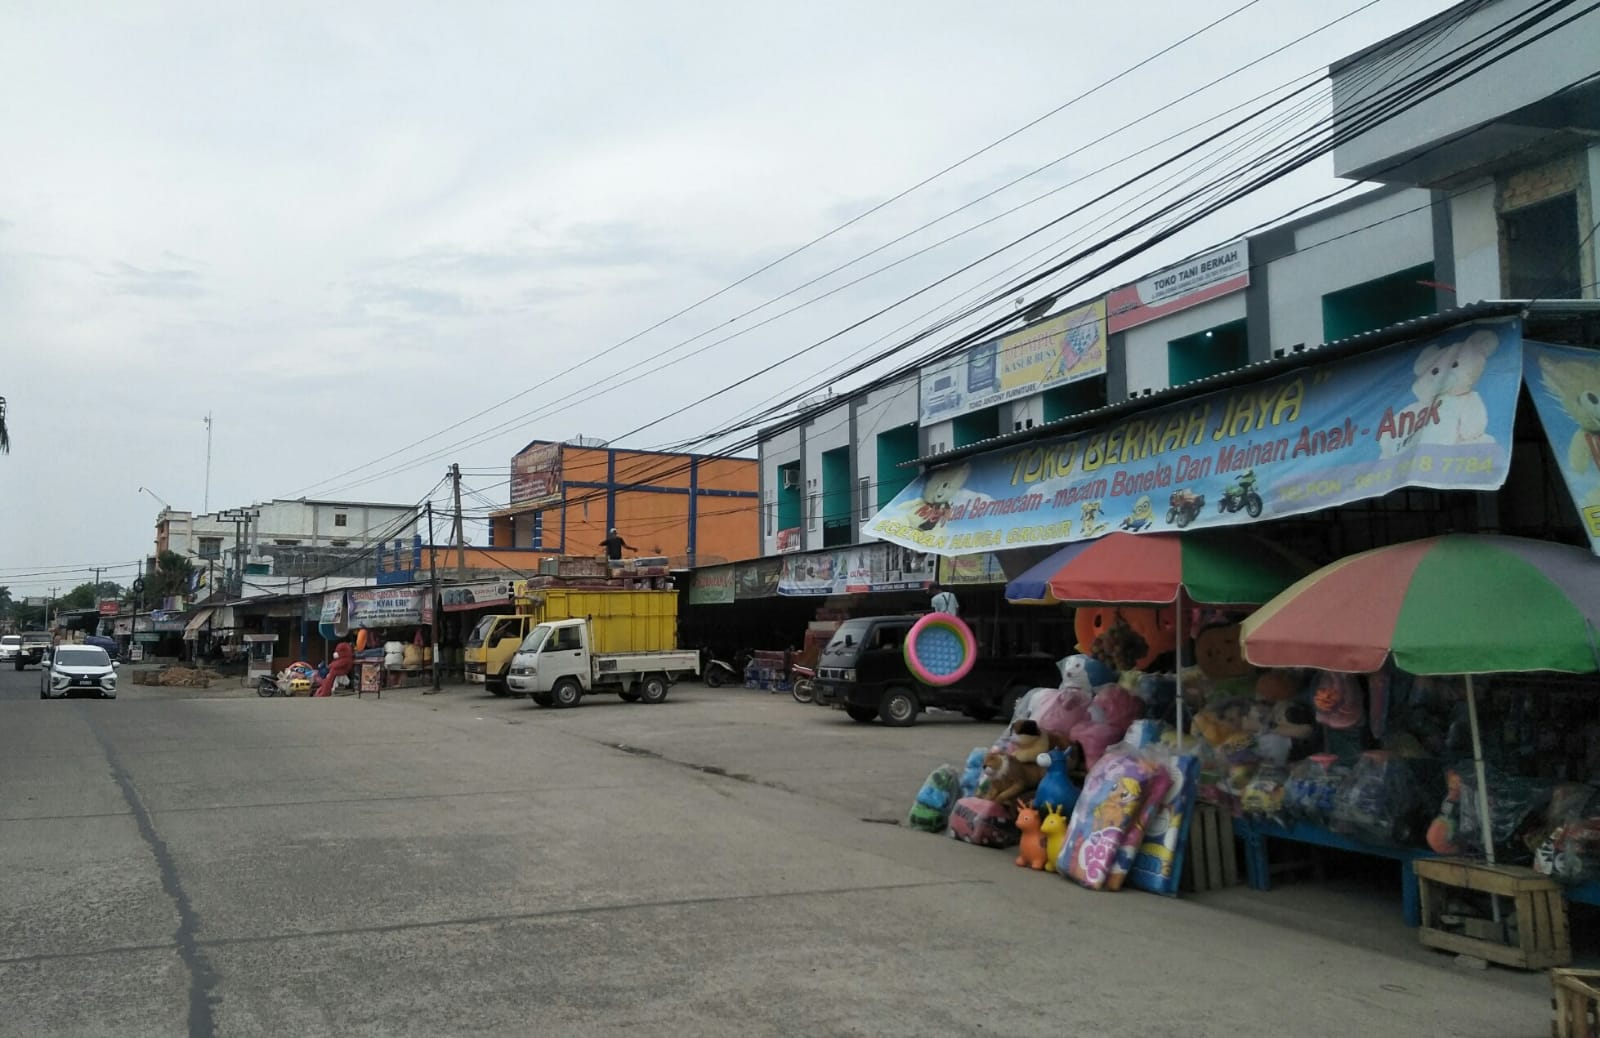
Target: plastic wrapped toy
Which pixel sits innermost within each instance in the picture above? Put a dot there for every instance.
(973, 775)
(1312, 788)
(931, 811)
(983, 823)
(1108, 809)
(1264, 796)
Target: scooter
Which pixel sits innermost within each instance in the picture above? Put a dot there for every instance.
(721, 672)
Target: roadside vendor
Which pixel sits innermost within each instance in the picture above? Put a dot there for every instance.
(943, 601)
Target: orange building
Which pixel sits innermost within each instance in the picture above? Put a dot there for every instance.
(696, 509)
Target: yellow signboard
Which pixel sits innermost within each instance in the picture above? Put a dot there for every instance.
(1065, 348)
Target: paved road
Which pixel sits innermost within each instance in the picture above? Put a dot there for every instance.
(459, 865)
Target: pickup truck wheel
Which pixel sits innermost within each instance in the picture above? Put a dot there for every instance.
(864, 714)
(653, 689)
(566, 693)
(628, 696)
(20, 664)
(497, 686)
(898, 707)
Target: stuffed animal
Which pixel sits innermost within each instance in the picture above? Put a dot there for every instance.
(1032, 846)
(1156, 627)
(1084, 673)
(1055, 789)
(1221, 721)
(1448, 409)
(1058, 711)
(1054, 830)
(1116, 706)
(973, 775)
(1275, 686)
(1017, 770)
(1120, 647)
(344, 661)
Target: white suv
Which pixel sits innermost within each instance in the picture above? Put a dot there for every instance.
(78, 670)
(10, 647)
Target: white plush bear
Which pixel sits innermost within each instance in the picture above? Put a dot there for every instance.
(1447, 377)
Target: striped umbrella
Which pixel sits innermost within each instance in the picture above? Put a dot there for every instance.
(1458, 604)
(1212, 567)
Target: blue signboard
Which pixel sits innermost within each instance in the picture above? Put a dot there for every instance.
(1565, 385)
(1436, 413)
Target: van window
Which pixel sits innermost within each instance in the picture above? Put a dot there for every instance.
(888, 638)
(567, 638)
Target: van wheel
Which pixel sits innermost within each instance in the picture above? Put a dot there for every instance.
(898, 707)
(653, 689)
(567, 693)
(864, 714)
(543, 699)
(629, 696)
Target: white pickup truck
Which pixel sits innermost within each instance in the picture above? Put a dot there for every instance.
(556, 667)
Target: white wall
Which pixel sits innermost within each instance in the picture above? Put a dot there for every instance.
(1564, 56)
(779, 449)
(1145, 347)
(1475, 238)
(938, 437)
(1326, 262)
(1028, 409)
(827, 430)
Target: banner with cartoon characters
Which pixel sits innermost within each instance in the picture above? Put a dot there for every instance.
(1564, 382)
(856, 570)
(1435, 413)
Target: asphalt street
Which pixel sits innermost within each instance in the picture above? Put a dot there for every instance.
(720, 864)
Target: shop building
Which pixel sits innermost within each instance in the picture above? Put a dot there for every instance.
(694, 509)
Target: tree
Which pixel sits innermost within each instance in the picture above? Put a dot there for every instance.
(172, 576)
(5, 437)
(7, 604)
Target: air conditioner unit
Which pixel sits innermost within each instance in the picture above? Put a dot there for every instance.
(791, 479)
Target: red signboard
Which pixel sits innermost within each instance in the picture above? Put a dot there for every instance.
(536, 475)
(109, 607)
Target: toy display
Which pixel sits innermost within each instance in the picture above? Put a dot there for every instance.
(340, 666)
(973, 773)
(1312, 788)
(931, 811)
(1108, 809)
(1159, 863)
(1032, 844)
(1153, 626)
(940, 649)
(1016, 770)
(1154, 793)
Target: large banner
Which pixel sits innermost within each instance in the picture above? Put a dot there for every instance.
(1436, 413)
(1190, 283)
(536, 475)
(856, 570)
(1065, 348)
(1564, 382)
(390, 607)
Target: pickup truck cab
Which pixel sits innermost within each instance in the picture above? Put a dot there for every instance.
(863, 669)
(31, 647)
(558, 666)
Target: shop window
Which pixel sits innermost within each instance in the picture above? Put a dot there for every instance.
(975, 427)
(1074, 398)
(1396, 297)
(836, 518)
(1541, 250)
(790, 503)
(287, 544)
(864, 498)
(538, 529)
(1207, 353)
(341, 519)
(811, 511)
(895, 448)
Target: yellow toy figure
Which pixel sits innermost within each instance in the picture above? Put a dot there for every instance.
(1054, 831)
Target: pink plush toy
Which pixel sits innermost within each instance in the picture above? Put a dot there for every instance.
(1057, 713)
(1116, 706)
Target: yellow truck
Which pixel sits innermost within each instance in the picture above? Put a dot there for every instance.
(623, 621)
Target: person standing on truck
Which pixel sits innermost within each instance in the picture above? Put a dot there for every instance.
(614, 544)
(944, 601)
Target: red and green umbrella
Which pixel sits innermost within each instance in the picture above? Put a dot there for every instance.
(1215, 567)
(1457, 604)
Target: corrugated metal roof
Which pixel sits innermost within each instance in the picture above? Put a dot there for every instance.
(1355, 344)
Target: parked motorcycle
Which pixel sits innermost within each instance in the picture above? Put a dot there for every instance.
(718, 673)
(1242, 494)
(802, 683)
(1185, 507)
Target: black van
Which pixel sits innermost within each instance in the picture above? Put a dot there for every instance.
(864, 670)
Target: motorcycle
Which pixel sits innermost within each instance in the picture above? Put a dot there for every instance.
(1185, 507)
(718, 673)
(1242, 494)
(802, 683)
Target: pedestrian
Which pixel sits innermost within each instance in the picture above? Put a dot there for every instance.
(944, 601)
(614, 545)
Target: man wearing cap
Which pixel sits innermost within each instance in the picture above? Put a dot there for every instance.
(614, 544)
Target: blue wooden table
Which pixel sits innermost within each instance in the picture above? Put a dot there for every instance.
(1258, 873)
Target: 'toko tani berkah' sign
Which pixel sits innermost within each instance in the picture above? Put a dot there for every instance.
(1434, 414)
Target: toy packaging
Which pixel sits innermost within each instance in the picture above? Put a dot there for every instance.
(1159, 863)
(983, 823)
(1107, 810)
(935, 801)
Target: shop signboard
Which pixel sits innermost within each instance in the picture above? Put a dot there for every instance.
(1054, 352)
(332, 607)
(390, 607)
(166, 620)
(757, 579)
(712, 586)
(459, 598)
(1565, 385)
(109, 607)
(790, 539)
(1190, 283)
(1435, 413)
(857, 570)
(536, 476)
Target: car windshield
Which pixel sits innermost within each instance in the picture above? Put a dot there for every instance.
(11, 639)
(480, 632)
(535, 639)
(848, 638)
(82, 656)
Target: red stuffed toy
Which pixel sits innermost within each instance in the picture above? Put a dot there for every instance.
(343, 662)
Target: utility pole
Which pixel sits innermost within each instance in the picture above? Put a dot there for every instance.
(205, 508)
(433, 593)
(459, 533)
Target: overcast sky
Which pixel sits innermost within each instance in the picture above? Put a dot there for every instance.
(341, 228)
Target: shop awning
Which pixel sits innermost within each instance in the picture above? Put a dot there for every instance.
(191, 630)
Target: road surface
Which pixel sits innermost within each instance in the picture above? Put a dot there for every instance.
(719, 864)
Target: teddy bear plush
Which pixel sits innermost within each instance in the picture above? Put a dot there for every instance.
(1576, 384)
(1016, 770)
(1084, 673)
(1448, 409)
(1222, 665)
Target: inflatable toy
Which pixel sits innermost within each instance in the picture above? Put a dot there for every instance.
(940, 649)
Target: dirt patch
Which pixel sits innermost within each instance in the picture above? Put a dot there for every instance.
(177, 677)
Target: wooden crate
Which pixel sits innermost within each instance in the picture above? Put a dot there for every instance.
(1576, 1003)
(1541, 912)
(1211, 861)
